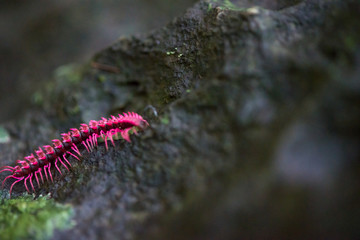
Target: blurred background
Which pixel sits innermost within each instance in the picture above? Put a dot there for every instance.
(38, 36)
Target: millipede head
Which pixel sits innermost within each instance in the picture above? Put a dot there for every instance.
(17, 171)
(143, 123)
(133, 119)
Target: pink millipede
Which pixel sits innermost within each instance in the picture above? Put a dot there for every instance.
(86, 135)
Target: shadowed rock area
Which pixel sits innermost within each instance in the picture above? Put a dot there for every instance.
(254, 109)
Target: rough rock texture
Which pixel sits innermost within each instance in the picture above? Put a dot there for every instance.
(255, 116)
(37, 36)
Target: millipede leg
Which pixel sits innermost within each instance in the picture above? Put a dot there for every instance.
(37, 180)
(95, 137)
(88, 144)
(46, 172)
(84, 143)
(89, 140)
(31, 183)
(10, 167)
(50, 172)
(135, 131)
(110, 135)
(12, 185)
(3, 170)
(92, 143)
(106, 144)
(42, 179)
(125, 134)
(75, 148)
(2, 185)
(57, 166)
(102, 135)
(27, 189)
(64, 157)
(62, 163)
(73, 155)
(78, 150)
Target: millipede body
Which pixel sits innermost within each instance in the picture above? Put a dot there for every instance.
(86, 135)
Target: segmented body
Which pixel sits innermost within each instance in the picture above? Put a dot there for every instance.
(86, 136)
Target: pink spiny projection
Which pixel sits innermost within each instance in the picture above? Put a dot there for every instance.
(32, 167)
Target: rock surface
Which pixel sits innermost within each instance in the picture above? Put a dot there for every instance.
(255, 125)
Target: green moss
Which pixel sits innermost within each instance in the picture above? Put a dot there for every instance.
(229, 5)
(74, 109)
(350, 43)
(101, 78)
(223, 4)
(165, 120)
(4, 136)
(68, 73)
(209, 7)
(26, 218)
(171, 52)
(37, 98)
